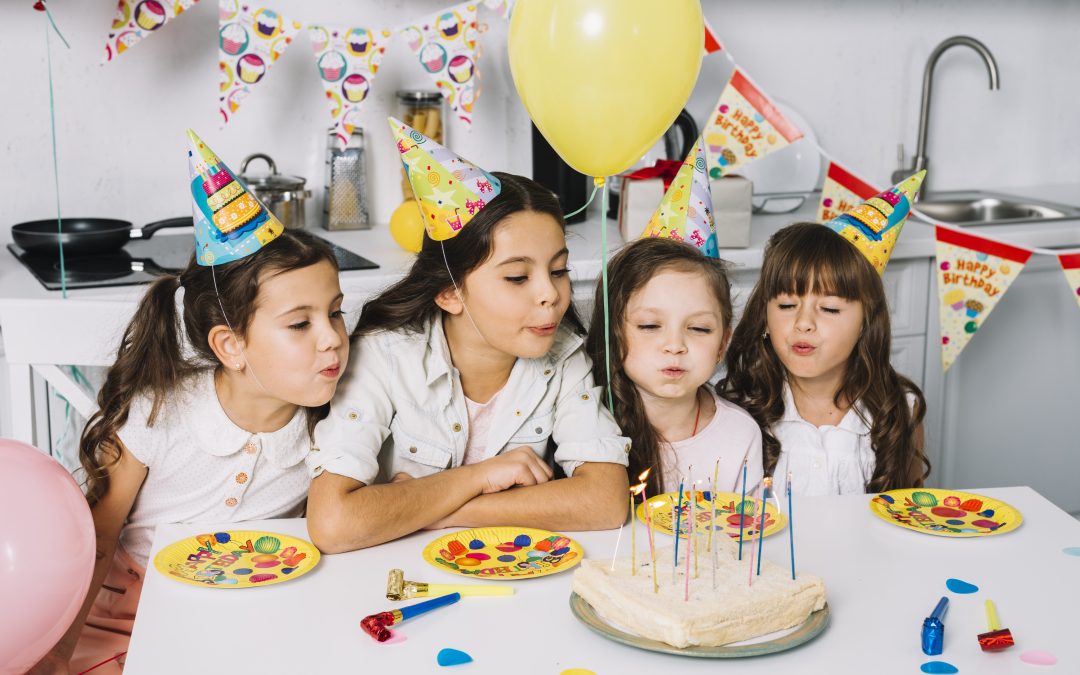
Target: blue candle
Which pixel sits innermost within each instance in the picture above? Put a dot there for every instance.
(740, 510)
(678, 523)
(791, 526)
(766, 485)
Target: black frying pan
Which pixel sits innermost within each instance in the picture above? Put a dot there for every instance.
(84, 236)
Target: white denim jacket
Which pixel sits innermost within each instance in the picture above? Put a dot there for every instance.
(401, 396)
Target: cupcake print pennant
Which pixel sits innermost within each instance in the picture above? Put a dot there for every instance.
(138, 19)
(744, 126)
(347, 58)
(445, 44)
(1070, 264)
(250, 39)
(973, 275)
(841, 192)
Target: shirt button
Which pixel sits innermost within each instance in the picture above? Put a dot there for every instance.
(241, 478)
(547, 371)
(539, 430)
(231, 501)
(584, 397)
(352, 415)
(626, 448)
(456, 427)
(413, 449)
(314, 449)
(517, 413)
(251, 448)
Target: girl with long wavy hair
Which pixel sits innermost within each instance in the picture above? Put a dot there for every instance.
(462, 375)
(810, 361)
(206, 414)
(670, 317)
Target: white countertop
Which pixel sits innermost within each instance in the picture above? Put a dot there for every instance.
(881, 581)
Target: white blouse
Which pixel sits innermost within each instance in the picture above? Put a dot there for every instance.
(204, 468)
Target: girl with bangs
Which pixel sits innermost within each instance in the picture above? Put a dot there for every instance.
(810, 358)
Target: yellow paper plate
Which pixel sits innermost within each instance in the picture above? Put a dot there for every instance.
(236, 559)
(728, 514)
(503, 553)
(946, 513)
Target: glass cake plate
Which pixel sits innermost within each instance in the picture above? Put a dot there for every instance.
(765, 644)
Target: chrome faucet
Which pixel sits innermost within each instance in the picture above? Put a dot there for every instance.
(924, 109)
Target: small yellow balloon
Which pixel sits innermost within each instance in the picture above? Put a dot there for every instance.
(407, 226)
(604, 79)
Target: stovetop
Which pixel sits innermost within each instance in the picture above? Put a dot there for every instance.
(140, 261)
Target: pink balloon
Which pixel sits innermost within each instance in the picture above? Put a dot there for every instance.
(47, 553)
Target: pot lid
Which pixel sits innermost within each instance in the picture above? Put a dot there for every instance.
(273, 181)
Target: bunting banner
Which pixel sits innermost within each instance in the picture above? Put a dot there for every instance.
(712, 42)
(347, 59)
(250, 39)
(744, 126)
(973, 275)
(841, 192)
(1070, 264)
(445, 43)
(137, 19)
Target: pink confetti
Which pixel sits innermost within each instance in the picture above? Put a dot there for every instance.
(1038, 658)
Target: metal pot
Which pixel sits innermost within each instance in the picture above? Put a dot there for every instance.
(283, 195)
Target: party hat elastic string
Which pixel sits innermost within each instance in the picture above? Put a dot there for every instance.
(239, 342)
(461, 296)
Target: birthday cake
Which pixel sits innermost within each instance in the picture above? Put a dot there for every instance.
(735, 610)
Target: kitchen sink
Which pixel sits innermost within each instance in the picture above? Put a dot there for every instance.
(987, 208)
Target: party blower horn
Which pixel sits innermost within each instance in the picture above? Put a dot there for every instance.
(400, 588)
(997, 638)
(378, 625)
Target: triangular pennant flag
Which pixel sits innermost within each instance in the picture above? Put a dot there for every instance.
(744, 125)
(874, 225)
(712, 43)
(685, 213)
(347, 59)
(445, 44)
(973, 275)
(841, 192)
(1070, 264)
(449, 189)
(250, 39)
(230, 222)
(137, 19)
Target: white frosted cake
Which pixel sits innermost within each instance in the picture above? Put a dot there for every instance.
(734, 611)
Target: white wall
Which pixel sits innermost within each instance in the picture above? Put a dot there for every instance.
(852, 68)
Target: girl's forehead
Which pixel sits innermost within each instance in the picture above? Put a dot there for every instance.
(675, 290)
(528, 234)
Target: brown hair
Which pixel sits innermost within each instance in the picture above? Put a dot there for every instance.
(410, 303)
(151, 357)
(809, 258)
(628, 272)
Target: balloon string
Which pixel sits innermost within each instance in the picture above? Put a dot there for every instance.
(593, 194)
(56, 161)
(604, 280)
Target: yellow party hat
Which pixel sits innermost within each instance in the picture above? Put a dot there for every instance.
(874, 225)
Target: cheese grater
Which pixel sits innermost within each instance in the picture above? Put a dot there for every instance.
(345, 204)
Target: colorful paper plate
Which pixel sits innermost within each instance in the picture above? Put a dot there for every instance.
(236, 559)
(947, 513)
(503, 553)
(766, 644)
(730, 508)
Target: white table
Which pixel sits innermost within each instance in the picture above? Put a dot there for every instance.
(882, 581)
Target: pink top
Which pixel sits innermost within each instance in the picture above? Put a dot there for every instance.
(731, 435)
(480, 416)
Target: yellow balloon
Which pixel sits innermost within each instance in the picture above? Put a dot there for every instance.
(407, 226)
(604, 79)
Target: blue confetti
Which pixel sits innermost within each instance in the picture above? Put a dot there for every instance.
(455, 657)
(962, 587)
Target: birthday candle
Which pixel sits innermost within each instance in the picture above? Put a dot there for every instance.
(751, 571)
(791, 526)
(690, 540)
(712, 499)
(741, 509)
(648, 526)
(635, 490)
(676, 515)
(767, 484)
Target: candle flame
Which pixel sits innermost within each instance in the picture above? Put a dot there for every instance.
(636, 489)
(768, 482)
(644, 474)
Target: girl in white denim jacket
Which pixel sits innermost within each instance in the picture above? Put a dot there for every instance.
(461, 374)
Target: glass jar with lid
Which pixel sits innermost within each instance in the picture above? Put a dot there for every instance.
(423, 111)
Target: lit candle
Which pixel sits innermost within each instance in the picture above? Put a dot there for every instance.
(634, 491)
(767, 485)
(791, 526)
(690, 539)
(740, 510)
(648, 526)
